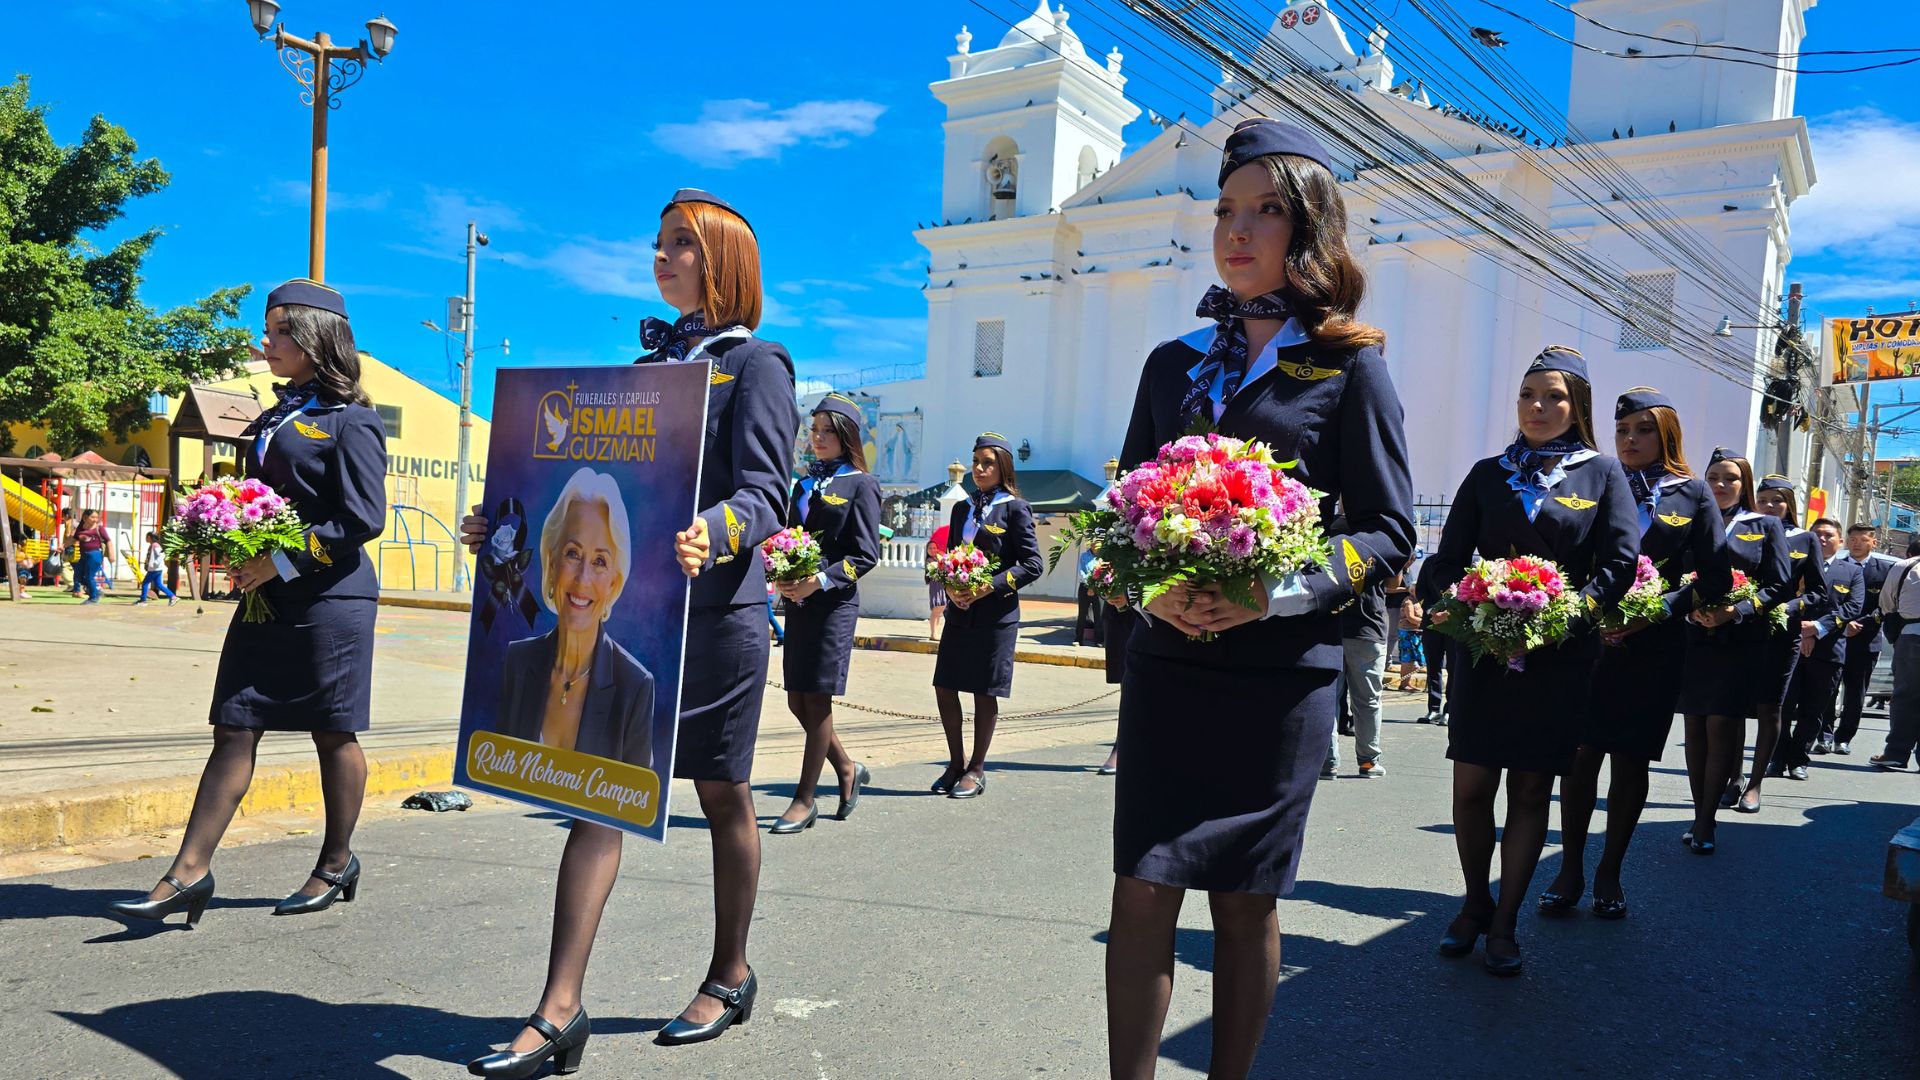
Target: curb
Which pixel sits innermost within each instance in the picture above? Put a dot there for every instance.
(1020, 656)
(86, 815)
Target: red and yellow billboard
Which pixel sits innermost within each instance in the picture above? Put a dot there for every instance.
(1871, 349)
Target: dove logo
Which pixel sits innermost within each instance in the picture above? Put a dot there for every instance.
(555, 424)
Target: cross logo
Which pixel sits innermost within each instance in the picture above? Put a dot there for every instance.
(1289, 19)
(1311, 15)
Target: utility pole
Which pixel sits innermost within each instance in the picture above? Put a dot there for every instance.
(475, 240)
(1783, 438)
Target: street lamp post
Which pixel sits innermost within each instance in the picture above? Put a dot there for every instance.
(323, 71)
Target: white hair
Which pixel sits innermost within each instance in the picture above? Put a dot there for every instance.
(585, 485)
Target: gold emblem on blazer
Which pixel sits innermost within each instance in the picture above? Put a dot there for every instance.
(1843, 590)
(1749, 537)
(1675, 520)
(719, 377)
(1306, 372)
(1796, 554)
(734, 528)
(1356, 566)
(832, 500)
(994, 529)
(1575, 502)
(318, 550)
(310, 431)
(852, 574)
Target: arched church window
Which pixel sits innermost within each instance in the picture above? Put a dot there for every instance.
(1001, 171)
(1089, 166)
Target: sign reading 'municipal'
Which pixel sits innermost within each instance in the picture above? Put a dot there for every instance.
(580, 609)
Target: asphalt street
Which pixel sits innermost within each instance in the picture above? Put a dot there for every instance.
(927, 937)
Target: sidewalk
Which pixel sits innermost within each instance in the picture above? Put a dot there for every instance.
(103, 711)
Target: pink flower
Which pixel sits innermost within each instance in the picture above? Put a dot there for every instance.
(1240, 541)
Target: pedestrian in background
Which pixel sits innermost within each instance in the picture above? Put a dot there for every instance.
(94, 548)
(936, 596)
(154, 562)
(1900, 610)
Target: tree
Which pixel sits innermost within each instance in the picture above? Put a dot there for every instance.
(79, 352)
(1906, 485)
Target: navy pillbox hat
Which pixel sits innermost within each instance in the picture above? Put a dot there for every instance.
(690, 194)
(993, 439)
(1640, 399)
(840, 405)
(1775, 482)
(1260, 136)
(1562, 359)
(306, 292)
(1721, 453)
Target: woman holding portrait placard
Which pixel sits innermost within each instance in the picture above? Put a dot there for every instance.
(707, 265)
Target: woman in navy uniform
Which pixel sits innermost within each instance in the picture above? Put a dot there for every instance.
(1223, 740)
(1552, 495)
(1807, 599)
(976, 647)
(311, 667)
(707, 265)
(1637, 683)
(1729, 647)
(1821, 641)
(838, 501)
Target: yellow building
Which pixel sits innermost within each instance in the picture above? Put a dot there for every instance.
(417, 550)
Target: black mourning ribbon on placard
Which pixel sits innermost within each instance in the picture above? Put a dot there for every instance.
(503, 566)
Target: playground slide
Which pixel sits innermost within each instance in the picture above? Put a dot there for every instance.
(27, 506)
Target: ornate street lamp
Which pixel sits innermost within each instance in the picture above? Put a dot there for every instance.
(323, 71)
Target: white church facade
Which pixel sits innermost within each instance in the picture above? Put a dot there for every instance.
(1061, 259)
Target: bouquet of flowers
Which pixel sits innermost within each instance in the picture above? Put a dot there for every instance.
(233, 521)
(791, 555)
(1207, 509)
(1509, 607)
(1099, 579)
(1747, 590)
(1644, 601)
(961, 568)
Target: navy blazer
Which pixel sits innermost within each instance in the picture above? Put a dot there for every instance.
(330, 461)
(1007, 536)
(616, 716)
(1847, 589)
(1685, 535)
(1334, 412)
(1587, 525)
(1874, 572)
(1757, 546)
(748, 455)
(843, 514)
(1809, 597)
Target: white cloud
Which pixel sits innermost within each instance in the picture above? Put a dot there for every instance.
(1894, 284)
(796, 288)
(604, 267)
(447, 213)
(1865, 197)
(739, 129)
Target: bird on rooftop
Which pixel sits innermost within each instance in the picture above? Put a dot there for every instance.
(1490, 38)
(1673, 126)
(1629, 131)
(1616, 133)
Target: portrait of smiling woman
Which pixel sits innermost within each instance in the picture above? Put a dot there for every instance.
(573, 687)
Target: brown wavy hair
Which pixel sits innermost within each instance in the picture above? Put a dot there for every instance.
(730, 261)
(849, 435)
(1673, 454)
(1324, 280)
(327, 339)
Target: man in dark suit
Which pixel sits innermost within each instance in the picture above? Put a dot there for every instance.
(1863, 644)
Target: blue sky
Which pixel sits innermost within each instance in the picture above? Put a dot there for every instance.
(562, 128)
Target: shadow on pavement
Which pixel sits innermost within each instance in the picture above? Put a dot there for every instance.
(1777, 956)
(245, 1034)
(38, 900)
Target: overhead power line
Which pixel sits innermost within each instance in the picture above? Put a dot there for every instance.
(1636, 54)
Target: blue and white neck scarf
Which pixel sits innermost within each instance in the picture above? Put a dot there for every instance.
(820, 475)
(1538, 469)
(293, 399)
(982, 502)
(1649, 485)
(674, 341)
(1227, 366)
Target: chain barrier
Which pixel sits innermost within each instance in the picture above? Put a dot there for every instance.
(841, 704)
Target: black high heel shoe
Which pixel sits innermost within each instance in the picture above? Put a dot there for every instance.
(341, 886)
(946, 782)
(1466, 929)
(861, 777)
(563, 1045)
(739, 1002)
(1504, 965)
(1553, 903)
(191, 899)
